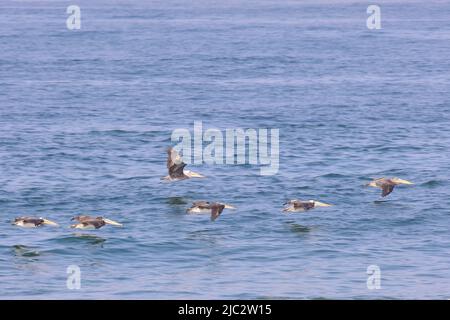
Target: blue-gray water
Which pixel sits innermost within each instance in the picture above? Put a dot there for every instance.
(86, 115)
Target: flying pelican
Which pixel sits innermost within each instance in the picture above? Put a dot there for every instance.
(214, 208)
(88, 222)
(300, 205)
(176, 166)
(30, 222)
(387, 184)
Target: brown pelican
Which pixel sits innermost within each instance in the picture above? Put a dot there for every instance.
(299, 205)
(176, 166)
(214, 208)
(30, 222)
(387, 184)
(88, 222)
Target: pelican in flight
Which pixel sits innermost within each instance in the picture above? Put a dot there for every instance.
(175, 165)
(386, 184)
(88, 222)
(214, 208)
(299, 205)
(30, 222)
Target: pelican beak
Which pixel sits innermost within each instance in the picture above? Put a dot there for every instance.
(404, 181)
(227, 206)
(50, 223)
(321, 204)
(193, 174)
(111, 222)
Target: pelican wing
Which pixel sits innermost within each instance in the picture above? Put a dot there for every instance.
(176, 171)
(35, 221)
(216, 210)
(82, 218)
(387, 188)
(305, 205)
(173, 158)
(175, 164)
(97, 223)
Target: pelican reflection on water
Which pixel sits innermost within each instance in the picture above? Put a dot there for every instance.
(89, 238)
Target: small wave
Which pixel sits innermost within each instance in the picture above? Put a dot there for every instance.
(433, 183)
(397, 148)
(113, 131)
(136, 178)
(332, 175)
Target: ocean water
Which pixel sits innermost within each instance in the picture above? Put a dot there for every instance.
(86, 115)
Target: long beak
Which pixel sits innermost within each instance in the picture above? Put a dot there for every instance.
(111, 222)
(404, 181)
(193, 174)
(50, 223)
(321, 204)
(227, 206)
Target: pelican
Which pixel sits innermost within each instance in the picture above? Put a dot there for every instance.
(214, 208)
(176, 166)
(30, 222)
(387, 184)
(300, 205)
(88, 222)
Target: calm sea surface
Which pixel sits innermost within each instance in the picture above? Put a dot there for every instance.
(86, 115)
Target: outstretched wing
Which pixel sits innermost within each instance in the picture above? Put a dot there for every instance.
(173, 158)
(387, 188)
(216, 210)
(175, 163)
